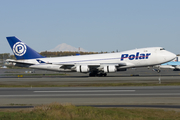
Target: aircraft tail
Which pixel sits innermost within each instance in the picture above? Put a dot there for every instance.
(21, 50)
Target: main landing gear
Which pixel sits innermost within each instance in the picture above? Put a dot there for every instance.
(93, 74)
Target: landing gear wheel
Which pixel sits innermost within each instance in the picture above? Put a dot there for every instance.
(158, 71)
(91, 75)
(101, 74)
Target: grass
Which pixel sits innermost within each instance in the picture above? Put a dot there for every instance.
(58, 84)
(56, 111)
(11, 72)
(12, 104)
(30, 74)
(20, 75)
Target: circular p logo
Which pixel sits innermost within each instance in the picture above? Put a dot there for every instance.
(19, 49)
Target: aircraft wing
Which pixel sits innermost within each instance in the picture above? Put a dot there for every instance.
(78, 66)
(90, 64)
(108, 67)
(66, 65)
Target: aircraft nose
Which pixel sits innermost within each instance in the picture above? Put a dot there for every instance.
(170, 56)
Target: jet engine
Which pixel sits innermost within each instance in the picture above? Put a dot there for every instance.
(82, 68)
(110, 68)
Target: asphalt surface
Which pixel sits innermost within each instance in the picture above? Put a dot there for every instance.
(159, 96)
(92, 95)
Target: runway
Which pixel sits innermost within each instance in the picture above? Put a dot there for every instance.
(86, 81)
(92, 95)
(104, 96)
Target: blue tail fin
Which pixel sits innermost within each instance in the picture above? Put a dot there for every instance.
(21, 50)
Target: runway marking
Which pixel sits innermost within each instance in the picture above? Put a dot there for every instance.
(89, 91)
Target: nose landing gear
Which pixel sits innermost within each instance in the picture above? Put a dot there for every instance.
(157, 70)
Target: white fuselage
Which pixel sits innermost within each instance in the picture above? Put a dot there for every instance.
(132, 58)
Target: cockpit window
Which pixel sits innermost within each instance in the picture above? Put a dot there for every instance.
(162, 48)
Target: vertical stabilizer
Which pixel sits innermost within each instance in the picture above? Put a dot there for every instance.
(21, 50)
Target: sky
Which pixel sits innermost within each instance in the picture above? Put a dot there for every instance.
(95, 25)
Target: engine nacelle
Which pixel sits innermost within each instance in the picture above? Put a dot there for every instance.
(82, 68)
(110, 68)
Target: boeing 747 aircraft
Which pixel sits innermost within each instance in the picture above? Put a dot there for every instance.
(95, 65)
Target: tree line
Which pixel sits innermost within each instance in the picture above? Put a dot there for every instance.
(51, 54)
(5, 56)
(66, 53)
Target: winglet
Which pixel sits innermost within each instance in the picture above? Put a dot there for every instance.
(21, 50)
